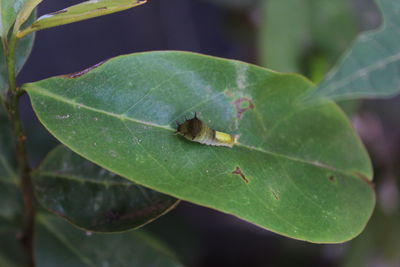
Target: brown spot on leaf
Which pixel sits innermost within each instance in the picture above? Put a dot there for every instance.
(275, 194)
(331, 178)
(239, 172)
(101, 8)
(82, 72)
(364, 178)
(242, 105)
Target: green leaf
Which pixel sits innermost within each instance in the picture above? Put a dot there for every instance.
(300, 172)
(7, 161)
(8, 13)
(11, 253)
(59, 244)
(294, 32)
(22, 52)
(93, 198)
(10, 201)
(370, 67)
(82, 11)
(25, 13)
(10, 198)
(380, 240)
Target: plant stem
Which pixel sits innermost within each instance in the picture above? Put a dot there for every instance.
(12, 104)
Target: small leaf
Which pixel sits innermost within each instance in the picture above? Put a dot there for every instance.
(300, 172)
(93, 198)
(370, 68)
(82, 11)
(8, 13)
(25, 13)
(59, 244)
(22, 52)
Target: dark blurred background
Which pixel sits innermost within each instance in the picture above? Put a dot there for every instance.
(252, 31)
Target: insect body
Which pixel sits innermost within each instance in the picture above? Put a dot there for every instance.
(197, 131)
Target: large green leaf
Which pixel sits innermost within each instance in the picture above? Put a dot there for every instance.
(370, 68)
(82, 11)
(300, 172)
(8, 12)
(59, 244)
(295, 34)
(65, 180)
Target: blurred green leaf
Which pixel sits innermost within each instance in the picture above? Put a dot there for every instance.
(370, 67)
(11, 253)
(82, 11)
(22, 52)
(93, 198)
(7, 161)
(298, 172)
(379, 243)
(59, 244)
(293, 33)
(10, 199)
(8, 13)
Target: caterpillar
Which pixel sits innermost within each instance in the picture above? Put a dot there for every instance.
(197, 131)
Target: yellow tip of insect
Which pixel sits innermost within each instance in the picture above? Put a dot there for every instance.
(225, 138)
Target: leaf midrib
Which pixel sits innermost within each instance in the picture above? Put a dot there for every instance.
(122, 117)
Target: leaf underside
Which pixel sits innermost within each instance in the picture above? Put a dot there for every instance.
(64, 181)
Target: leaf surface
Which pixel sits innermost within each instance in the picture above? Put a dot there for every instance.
(298, 171)
(370, 67)
(93, 198)
(57, 243)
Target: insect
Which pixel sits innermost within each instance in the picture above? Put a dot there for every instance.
(197, 131)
